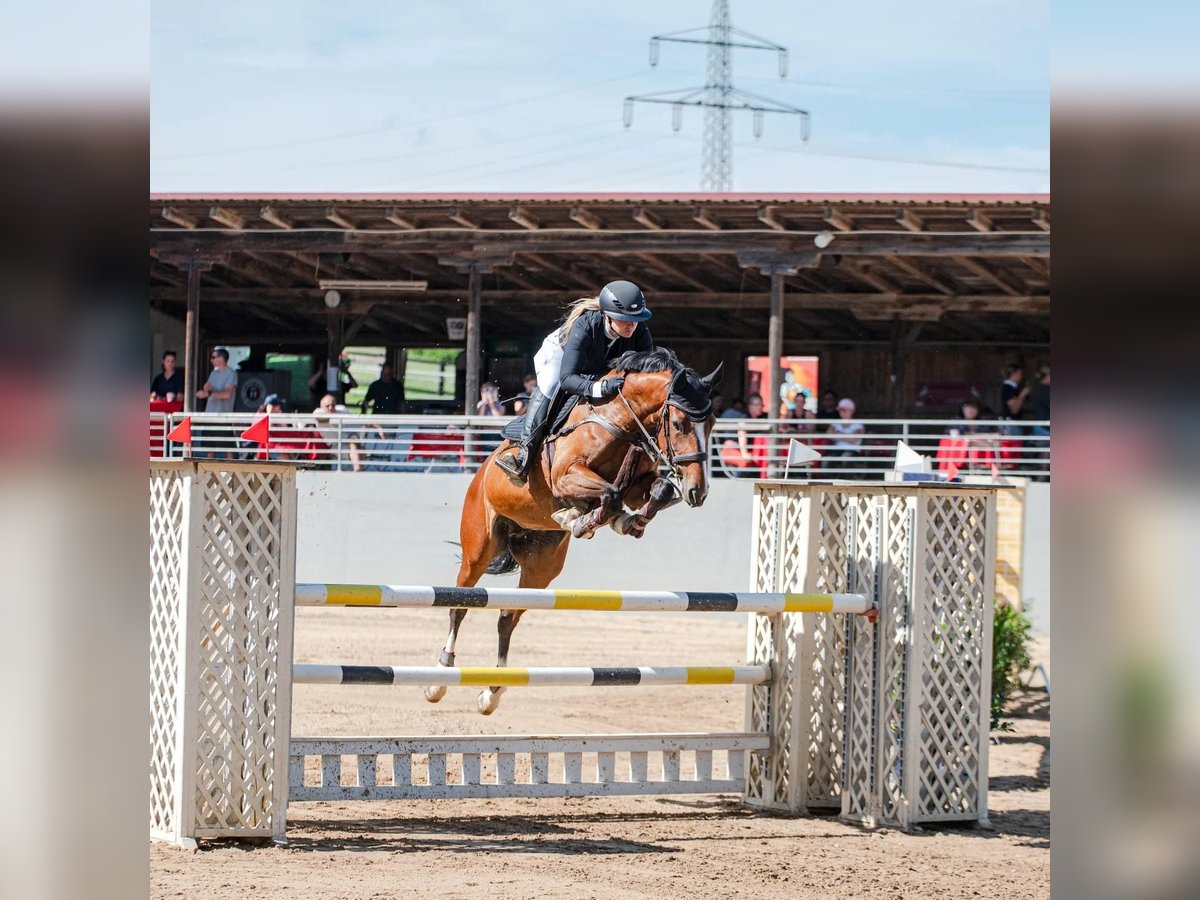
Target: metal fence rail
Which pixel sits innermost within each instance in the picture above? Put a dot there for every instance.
(738, 448)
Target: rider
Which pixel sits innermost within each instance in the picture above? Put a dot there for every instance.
(595, 332)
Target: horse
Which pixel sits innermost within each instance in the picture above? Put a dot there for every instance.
(604, 460)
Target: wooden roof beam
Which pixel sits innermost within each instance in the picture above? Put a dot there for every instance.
(919, 272)
(673, 271)
(563, 272)
(178, 217)
(838, 219)
(223, 215)
(864, 273)
(393, 216)
(586, 218)
(522, 217)
(1041, 219)
(272, 215)
(457, 215)
(1001, 280)
(767, 215)
(1040, 266)
(701, 215)
(332, 215)
(910, 220)
(980, 221)
(644, 217)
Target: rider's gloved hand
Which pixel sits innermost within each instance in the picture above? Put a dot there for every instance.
(608, 387)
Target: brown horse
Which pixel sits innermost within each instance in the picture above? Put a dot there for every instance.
(605, 457)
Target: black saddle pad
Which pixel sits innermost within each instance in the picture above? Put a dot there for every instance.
(558, 417)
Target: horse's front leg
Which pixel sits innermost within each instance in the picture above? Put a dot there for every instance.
(581, 485)
(435, 692)
(490, 698)
(660, 495)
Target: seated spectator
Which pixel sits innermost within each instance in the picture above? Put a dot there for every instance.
(970, 423)
(845, 452)
(747, 456)
(737, 410)
(829, 406)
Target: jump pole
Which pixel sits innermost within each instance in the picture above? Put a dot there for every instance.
(513, 676)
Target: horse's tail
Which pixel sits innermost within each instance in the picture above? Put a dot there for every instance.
(503, 563)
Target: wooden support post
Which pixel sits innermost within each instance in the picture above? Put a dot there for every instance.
(333, 346)
(474, 337)
(774, 345)
(904, 337)
(191, 333)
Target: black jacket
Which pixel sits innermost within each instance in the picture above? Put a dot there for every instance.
(589, 352)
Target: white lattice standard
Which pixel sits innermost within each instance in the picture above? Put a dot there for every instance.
(887, 721)
(222, 585)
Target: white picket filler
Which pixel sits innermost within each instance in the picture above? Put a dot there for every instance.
(886, 724)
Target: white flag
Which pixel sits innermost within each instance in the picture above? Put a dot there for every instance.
(909, 460)
(800, 453)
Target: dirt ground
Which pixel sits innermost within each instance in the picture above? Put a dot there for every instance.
(610, 848)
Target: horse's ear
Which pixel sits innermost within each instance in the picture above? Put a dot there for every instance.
(711, 380)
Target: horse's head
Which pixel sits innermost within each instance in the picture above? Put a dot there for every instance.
(675, 404)
(687, 422)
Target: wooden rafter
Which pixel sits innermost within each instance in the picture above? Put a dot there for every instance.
(838, 219)
(672, 270)
(230, 218)
(768, 215)
(980, 221)
(910, 220)
(865, 273)
(392, 215)
(457, 215)
(276, 218)
(921, 273)
(524, 218)
(586, 218)
(702, 215)
(177, 217)
(647, 219)
(1041, 219)
(332, 215)
(1000, 279)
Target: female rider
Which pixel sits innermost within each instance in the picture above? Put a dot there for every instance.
(595, 332)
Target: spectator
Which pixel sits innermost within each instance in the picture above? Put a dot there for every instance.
(718, 404)
(846, 450)
(219, 392)
(529, 382)
(385, 395)
(749, 459)
(808, 413)
(971, 423)
(787, 416)
(1039, 402)
(1013, 394)
(320, 382)
(489, 403)
(520, 404)
(829, 406)
(737, 410)
(167, 385)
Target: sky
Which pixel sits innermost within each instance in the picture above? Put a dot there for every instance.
(527, 96)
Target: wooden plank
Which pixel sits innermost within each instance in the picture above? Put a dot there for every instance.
(524, 218)
(227, 217)
(768, 216)
(332, 215)
(393, 216)
(910, 220)
(702, 215)
(1000, 279)
(467, 244)
(272, 215)
(980, 221)
(309, 793)
(457, 215)
(838, 219)
(643, 216)
(586, 218)
(178, 217)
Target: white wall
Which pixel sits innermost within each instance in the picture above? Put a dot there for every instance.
(1035, 566)
(389, 528)
(379, 527)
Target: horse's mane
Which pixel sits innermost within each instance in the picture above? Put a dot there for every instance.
(657, 360)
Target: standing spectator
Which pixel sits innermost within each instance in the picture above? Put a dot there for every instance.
(319, 383)
(846, 450)
(385, 396)
(168, 384)
(1039, 402)
(1013, 394)
(489, 401)
(219, 392)
(529, 382)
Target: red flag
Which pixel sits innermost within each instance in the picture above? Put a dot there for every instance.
(181, 433)
(259, 432)
(951, 471)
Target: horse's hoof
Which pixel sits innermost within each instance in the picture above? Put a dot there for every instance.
(489, 701)
(434, 693)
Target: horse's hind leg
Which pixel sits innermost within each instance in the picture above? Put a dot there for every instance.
(541, 555)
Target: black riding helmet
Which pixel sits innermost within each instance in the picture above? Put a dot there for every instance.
(623, 300)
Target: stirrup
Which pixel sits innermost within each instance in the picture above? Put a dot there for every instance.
(509, 466)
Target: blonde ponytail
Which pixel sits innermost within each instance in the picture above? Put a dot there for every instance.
(578, 308)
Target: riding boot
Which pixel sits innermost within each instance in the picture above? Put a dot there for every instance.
(516, 465)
